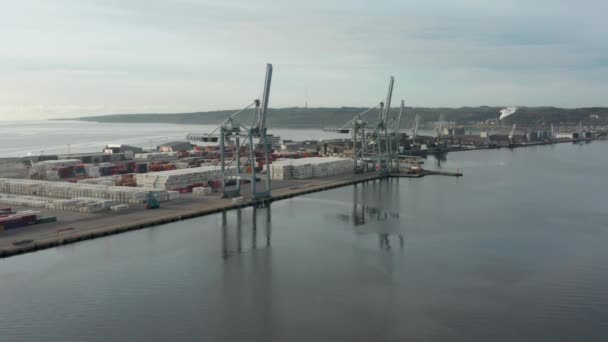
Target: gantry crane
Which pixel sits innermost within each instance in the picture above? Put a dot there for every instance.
(232, 130)
(357, 125)
(414, 129)
(393, 125)
(381, 132)
(441, 123)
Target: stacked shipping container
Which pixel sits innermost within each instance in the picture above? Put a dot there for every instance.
(180, 179)
(120, 194)
(53, 168)
(80, 204)
(310, 168)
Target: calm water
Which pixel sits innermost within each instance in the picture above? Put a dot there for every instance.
(513, 251)
(19, 138)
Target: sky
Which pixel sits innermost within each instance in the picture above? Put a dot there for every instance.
(70, 58)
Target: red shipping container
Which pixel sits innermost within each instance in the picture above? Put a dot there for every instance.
(29, 218)
(215, 184)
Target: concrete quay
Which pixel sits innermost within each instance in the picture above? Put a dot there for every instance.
(73, 227)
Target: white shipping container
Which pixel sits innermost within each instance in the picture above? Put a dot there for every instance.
(202, 191)
(315, 167)
(172, 195)
(73, 190)
(119, 207)
(181, 178)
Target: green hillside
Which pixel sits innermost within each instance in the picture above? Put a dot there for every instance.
(335, 117)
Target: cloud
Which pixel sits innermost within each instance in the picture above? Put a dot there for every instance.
(188, 55)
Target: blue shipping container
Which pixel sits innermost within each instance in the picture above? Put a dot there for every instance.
(14, 225)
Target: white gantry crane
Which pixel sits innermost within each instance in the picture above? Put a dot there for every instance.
(231, 131)
(414, 129)
(441, 125)
(393, 126)
(381, 132)
(368, 146)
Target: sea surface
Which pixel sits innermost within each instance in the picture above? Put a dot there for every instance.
(18, 138)
(516, 250)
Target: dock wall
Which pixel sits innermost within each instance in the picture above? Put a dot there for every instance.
(278, 195)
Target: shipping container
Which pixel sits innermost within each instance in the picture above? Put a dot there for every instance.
(41, 193)
(47, 219)
(304, 168)
(14, 224)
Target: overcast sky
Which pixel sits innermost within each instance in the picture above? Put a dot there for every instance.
(69, 58)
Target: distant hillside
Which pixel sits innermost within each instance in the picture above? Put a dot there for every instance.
(336, 117)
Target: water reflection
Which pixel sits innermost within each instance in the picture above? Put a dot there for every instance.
(385, 242)
(371, 212)
(440, 157)
(363, 212)
(240, 234)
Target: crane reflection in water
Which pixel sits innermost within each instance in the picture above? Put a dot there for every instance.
(372, 212)
(242, 233)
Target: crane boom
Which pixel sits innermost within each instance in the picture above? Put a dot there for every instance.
(358, 116)
(398, 122)
(389, 96)
(261, 125)
(415, 126)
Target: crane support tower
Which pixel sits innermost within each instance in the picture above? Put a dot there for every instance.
(393, 126)
(441, 125)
